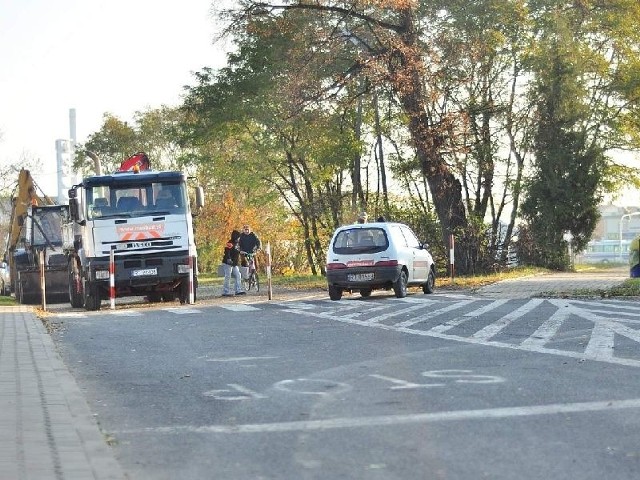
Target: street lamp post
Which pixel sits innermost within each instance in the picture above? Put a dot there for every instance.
(627, 216)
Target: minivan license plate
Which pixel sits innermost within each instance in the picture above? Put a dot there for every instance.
(145, 272)
(360, 277)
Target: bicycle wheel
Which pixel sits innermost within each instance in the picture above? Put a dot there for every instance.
(250, 281)
(246, 283)
(255, 281)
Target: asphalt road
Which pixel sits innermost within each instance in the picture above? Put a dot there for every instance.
(451, 386)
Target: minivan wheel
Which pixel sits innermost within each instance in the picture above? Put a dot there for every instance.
(365, 292)
(400, 285)
(335, 293)
(430, 286)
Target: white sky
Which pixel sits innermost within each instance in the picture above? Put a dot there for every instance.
(97, 56)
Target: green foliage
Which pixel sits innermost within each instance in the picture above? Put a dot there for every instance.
(114, 142)
(279, 130)
(565, 189)
(153, 131)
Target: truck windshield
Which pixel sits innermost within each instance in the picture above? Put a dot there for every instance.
(155, 198)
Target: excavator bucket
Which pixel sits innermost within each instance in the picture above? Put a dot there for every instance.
(57, 286)
(29, 291)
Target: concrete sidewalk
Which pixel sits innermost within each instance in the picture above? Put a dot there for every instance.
(559, 283)
(46, 429)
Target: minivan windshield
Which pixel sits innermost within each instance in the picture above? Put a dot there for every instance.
(360, 240)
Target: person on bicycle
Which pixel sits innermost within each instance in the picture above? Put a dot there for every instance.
(230, 261)
(250, 243)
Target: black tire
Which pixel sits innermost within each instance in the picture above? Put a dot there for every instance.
(335, 293)
(365, 292)
(154, 297)
(255, 281)
(169, 296)
(92, 301)
(76, 293)
(183, 293)
(400, 285)
(430, 286)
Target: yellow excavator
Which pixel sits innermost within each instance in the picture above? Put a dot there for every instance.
(34, 245)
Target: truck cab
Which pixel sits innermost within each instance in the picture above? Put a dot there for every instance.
(144, 221)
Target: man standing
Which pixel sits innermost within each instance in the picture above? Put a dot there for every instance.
(230, 261)
(248, 242)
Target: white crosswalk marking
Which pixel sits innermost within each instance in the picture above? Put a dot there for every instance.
(297, 305)
(412, 299)
(344, 306)
(394, 313)
(487, 308)
(125, 313)
(367, 309)
(494, 328)
(433, 314)
(182, 310)
(239, 307)
(600, 344)
(548, 329)
(599, 347)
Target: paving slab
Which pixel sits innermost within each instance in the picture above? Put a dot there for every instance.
(46, 428)
(556, 283)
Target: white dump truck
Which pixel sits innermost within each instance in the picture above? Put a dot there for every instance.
(137, 222)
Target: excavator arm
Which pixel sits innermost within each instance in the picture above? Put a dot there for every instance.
(25, 197)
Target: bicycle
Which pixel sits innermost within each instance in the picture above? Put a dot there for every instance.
(251, 280)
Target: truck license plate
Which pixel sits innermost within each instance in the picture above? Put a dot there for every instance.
(144, 272)
(360, 277)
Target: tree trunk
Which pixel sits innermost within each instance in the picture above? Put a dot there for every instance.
(406, 67)
(382, 171)
(357, 196)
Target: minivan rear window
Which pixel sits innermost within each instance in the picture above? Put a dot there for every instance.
(360, 240)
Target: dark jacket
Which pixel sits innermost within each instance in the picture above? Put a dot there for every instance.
(231, 252)
(249, 242)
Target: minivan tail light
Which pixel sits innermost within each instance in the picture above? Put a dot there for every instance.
(387, 263)
(336, 266)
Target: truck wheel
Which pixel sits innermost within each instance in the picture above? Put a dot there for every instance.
(91, 298)
(154, 297)
(75, 287)
(169, 296)
(183, 294)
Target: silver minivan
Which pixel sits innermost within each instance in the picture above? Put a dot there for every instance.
(382, 255)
